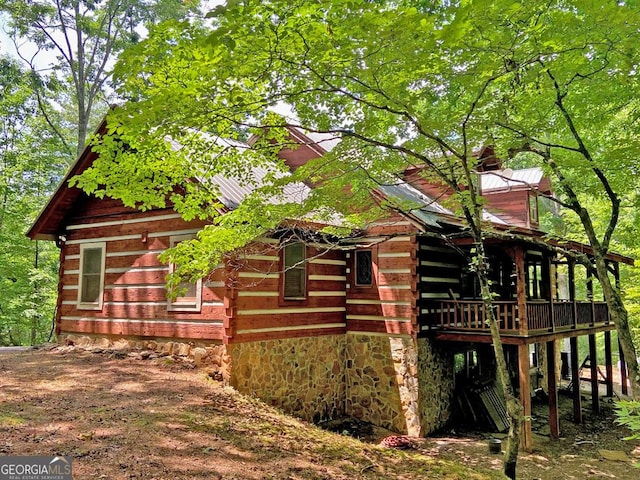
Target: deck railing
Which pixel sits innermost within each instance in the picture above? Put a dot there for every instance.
(542, 316)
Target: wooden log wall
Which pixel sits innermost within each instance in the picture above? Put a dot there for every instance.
(259, 311)
(242, 301)
(439, 277)
(513, 205)
(388, 306)
(134, 301)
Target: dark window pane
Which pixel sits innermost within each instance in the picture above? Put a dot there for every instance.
(293, 254)
(294, 283)
(364, 267)
(188, 290)
(295, 273)
(90, 289)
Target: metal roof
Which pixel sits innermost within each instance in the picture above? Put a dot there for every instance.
(426, 207)
(511, 179)
(327, 141)
(233, 190)
(404, 192)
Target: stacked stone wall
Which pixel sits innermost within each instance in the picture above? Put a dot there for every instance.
(210, 354)
(436, 384)
(403, 384)
(304, 376)
(382, 385)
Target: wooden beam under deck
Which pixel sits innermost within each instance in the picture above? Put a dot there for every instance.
(471, 337)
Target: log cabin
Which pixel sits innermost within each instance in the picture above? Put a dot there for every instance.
(387, 328)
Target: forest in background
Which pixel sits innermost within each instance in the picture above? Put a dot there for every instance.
(54, 91)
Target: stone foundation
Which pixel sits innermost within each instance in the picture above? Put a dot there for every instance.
(212, 355)
(382, 385)
(304, 376)
(436, 384)
(403, 384)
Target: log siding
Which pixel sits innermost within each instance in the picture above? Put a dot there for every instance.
(388, 305)
(134, 299)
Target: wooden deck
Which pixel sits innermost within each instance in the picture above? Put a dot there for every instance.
(542, 317)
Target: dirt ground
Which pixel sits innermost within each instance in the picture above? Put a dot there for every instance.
(121, 416)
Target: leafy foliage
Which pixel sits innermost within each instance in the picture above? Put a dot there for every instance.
(31, 165)
(403, 84)
(83, 38)
(628, 413)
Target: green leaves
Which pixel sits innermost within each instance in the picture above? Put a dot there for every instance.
(30, 167)
(402, 84)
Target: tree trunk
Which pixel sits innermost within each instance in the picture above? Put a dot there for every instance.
(620, 318)
(515, 409)
(36, 294)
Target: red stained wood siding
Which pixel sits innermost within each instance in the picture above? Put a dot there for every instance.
(182, 330)
(388, 306)
(261, 313)
(513, 206)
(134, 299)
(242, 302)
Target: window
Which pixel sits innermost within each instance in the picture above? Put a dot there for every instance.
(189, 297)
(295, 272)
(363, 268)
(533, 208)
(534, 277)
(91, 283)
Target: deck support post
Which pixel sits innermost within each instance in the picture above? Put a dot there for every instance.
(593, 360)
(575, 381)
(526, 440)
(623, 371)
(554, 424)
(608, 357)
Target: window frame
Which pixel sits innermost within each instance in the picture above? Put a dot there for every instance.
(533, 208)
(285, 270)
(97, 305)
(355, 268)
(184, 304)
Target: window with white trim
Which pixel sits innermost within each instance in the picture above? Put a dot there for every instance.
(294, 283)
(91, 281)
(189, 297)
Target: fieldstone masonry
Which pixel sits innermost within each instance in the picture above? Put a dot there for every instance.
(403, 384)
(382, 383)
(304, 376)
(436, 384)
